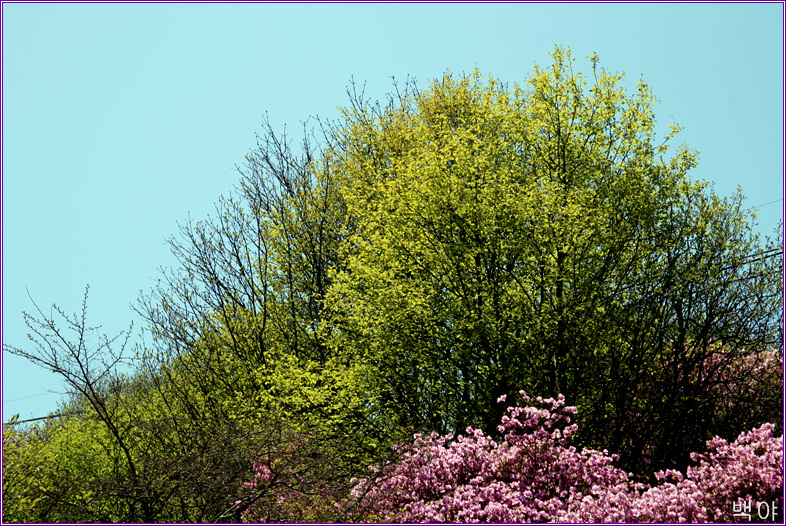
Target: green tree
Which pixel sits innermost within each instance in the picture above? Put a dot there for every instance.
(236, 326)
(25, 484)
(236, 369)
(537, 237)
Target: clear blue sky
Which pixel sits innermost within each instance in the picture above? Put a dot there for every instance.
(120, 120)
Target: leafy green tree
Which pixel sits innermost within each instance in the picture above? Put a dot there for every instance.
(236, 367)
(25, 484)
(537, 236)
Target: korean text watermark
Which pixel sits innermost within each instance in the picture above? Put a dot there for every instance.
(765, 510)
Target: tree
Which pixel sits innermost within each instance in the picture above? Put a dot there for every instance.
(24, 459)
(236, 368)
(236, 327)
(90, 373)
(127, 448)
(539, 236)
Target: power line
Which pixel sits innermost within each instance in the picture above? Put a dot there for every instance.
(43, 418)
(746, 259)
(32, 419)
(770, 203)
(26, 397)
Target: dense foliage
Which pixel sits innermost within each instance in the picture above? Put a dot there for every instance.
(538, 236)
(532, 475)
(398, 273)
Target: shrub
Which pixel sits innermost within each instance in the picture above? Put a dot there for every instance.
(534, 475)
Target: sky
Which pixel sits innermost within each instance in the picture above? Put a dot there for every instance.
(119, 121)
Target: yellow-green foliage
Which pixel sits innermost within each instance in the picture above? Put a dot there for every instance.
(476, 204)
(23, 463)
(50, 471)
(463, 242)
(506, 236)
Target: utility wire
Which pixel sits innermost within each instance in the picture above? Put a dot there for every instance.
(771, 202)
(43, 418)
(758, 257)
(26, 397)
(764, 255)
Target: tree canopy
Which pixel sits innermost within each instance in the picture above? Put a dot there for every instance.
(536, 236)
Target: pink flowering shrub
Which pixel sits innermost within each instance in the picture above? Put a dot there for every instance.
(534, 475)
(750, 469)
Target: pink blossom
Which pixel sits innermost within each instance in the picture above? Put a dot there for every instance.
(535, 475)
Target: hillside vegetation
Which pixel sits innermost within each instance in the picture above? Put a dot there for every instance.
(403, 270)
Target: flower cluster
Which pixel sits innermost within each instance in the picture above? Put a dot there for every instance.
(262, 474)
(751, 469)
(533, 474)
